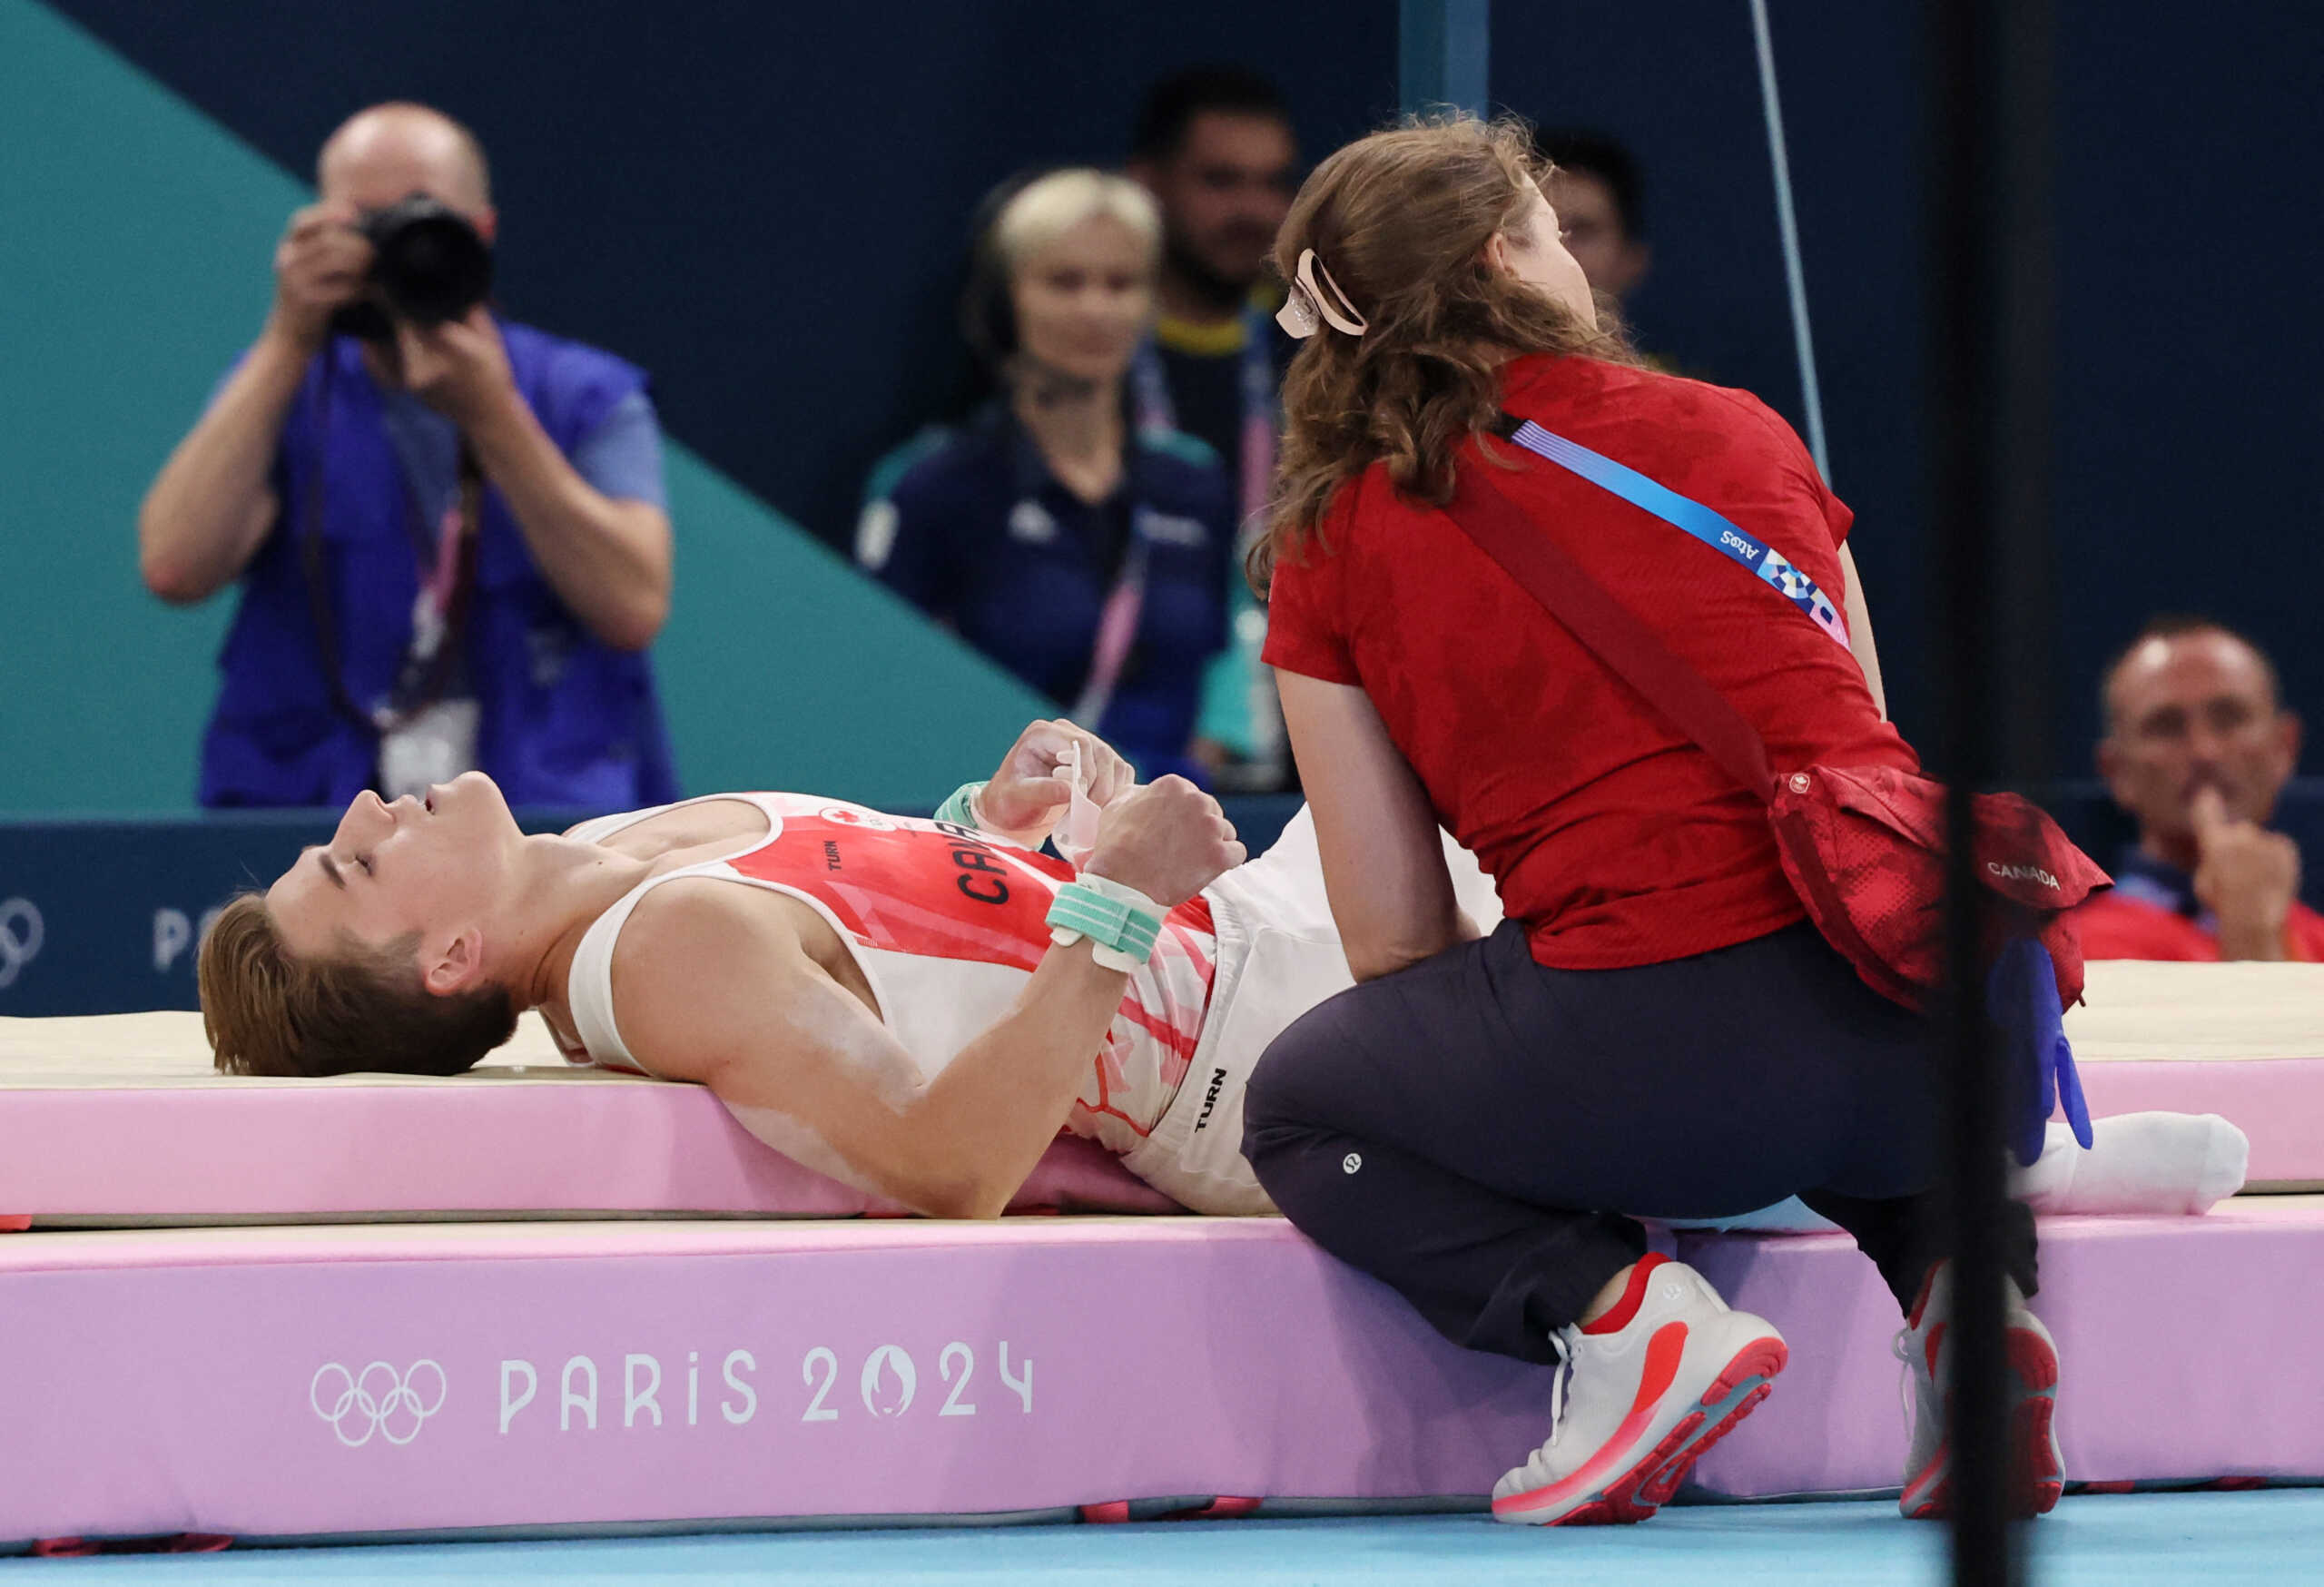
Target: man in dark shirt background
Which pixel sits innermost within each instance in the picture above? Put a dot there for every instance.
(1213, 144)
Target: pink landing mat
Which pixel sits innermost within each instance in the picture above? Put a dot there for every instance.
(299, 1380)
(2189, 1349)
(207, 1147)
(115, 1121)
(2242, 1040)
(2278, 1103)
(118, 1119)
(292, 1382)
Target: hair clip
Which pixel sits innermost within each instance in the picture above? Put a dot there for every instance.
(1298, 315)
(1307, 309)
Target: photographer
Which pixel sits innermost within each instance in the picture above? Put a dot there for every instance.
(449, 530)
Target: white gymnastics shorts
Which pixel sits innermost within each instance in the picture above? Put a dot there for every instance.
(1279, 955)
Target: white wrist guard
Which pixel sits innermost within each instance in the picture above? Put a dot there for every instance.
(1122, 922)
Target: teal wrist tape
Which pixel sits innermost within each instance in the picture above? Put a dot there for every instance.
(960, 809)
(1123, 933)
(1105, 920)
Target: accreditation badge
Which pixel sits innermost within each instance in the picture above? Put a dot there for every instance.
(433, 744)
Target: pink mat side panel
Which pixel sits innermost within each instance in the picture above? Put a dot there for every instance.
(2189, 1349)
(886, 1372)
(488, 1147)
(236, 1384)
(2278, 1103)
(290, 1151)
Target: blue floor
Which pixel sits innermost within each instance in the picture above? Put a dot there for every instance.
(2127, 1541)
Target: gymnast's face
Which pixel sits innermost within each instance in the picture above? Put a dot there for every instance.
(433, 866)
(1535, 253)
(1083, 300)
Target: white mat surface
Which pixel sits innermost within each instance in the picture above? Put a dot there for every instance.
(2139, 1009)
(2135, 1011)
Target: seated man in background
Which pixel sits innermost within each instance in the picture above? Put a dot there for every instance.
(449, 530)
(2198, 747)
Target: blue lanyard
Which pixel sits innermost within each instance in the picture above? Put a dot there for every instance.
(1685, 513)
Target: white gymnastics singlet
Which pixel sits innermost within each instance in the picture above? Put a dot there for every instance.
(947, 924)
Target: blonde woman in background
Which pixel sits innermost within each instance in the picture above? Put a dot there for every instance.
(1089, 561)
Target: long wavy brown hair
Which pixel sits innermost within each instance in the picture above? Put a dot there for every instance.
(1401, 219)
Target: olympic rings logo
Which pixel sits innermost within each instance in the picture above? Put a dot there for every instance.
(21, 935)
(378, 1400)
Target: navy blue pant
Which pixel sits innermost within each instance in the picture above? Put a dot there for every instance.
(1466, 1130)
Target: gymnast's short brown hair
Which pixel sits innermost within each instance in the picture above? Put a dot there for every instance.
(268, 1011)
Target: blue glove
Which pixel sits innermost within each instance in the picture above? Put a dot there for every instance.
(2022, 999)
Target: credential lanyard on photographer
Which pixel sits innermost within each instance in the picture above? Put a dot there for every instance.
(427, 729)
(425, 734)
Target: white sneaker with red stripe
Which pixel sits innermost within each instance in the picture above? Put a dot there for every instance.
(2036, 1463)
(1658, 1380)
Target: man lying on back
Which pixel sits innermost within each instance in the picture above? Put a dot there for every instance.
(914, 1007)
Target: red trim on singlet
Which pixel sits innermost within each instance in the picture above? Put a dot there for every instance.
(1182, 1043)
(1192, 944)
(925, 891)
(910, 887)
(1107, 1065)
(1190, 925)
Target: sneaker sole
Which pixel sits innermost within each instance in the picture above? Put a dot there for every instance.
(1647, 1484)
(2036, 1466)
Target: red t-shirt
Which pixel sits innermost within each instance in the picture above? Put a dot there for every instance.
(2115, 927)
(1613, 838)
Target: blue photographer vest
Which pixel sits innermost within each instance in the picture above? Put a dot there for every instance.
(565, 720)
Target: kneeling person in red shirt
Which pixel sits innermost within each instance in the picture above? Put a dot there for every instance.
(2198, 747)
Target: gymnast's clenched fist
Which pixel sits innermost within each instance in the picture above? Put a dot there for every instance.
(1169, 840)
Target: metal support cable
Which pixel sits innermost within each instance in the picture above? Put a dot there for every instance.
(1795, 273)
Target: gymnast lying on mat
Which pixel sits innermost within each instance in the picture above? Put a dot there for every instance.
(881, 1000)
(908, 1006)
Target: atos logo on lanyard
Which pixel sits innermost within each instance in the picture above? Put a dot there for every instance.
(1685, 513)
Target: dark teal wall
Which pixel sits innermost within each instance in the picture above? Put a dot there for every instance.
(764, 204)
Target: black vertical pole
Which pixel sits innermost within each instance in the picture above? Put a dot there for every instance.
(1989, 419)
(2024, 587)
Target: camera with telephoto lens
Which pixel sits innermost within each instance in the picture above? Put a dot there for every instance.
(428, 265)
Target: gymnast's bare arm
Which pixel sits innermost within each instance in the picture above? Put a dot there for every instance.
(716, 984)
(1383, 858)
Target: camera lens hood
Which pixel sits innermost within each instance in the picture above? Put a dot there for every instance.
(428, 263)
